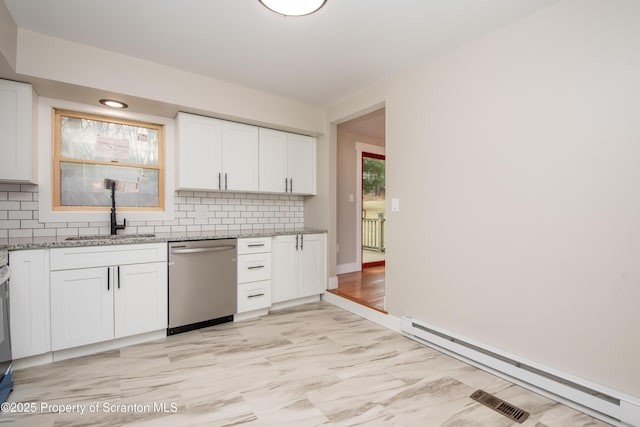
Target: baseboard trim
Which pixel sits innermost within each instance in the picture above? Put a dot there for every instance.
(348, 268)
(387, 320)
(292, 303)
(250, 314)
(86, 350)
(37, 360)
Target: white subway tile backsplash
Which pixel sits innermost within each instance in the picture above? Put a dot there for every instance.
(20, 214)
(9, 206)
(30, 223)
(9, 224)
(45, 232)
(10, 187)
(21, 196)
(28, 206)
(78, 224)
(194, 212)
(88, 231)
(21, 233)
(64, 232)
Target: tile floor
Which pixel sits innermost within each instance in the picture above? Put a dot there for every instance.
(311, 365)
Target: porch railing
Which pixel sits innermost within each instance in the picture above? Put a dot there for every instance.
(373, 232)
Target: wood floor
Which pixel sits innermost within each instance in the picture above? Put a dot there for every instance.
(311, 365)
(365, 287)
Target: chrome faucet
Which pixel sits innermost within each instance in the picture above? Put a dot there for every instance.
(111, 184)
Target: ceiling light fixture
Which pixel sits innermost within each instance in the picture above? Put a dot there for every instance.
(113, 103)
(293, 7)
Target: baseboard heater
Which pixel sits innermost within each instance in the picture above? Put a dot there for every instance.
(598, 402)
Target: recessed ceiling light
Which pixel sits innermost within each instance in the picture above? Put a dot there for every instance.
(293, 7)
(113, 103)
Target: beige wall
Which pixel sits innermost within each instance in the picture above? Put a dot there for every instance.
(515, 159)
(50, 59)
(346, 179)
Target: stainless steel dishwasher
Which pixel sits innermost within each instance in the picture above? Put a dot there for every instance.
(202, 284)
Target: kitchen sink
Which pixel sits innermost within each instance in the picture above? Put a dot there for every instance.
(111, 237)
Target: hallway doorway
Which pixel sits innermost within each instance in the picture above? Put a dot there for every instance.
(361, 209)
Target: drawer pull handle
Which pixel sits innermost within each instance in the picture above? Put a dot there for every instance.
(253, 267)
(256, 245)
(255, 295)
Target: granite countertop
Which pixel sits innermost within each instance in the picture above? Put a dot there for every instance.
(23, 243)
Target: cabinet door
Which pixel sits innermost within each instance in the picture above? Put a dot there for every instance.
(239, 157)
(312, 270)
(272, 161)
(29, 288)
(81, 307)
(284, 270)
(301, 164)
(199, 152)
(140, 298)
(16, 141)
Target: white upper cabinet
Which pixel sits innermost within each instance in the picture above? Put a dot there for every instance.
(287, 162)
(17, 140)
(199, 152)
(301, 161)
(273, 161)
(216, 155)
(239, 157)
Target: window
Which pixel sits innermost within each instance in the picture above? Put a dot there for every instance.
(89, 149)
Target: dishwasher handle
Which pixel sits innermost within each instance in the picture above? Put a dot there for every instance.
(200, 250)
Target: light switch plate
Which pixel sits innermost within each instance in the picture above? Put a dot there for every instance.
(395, 205)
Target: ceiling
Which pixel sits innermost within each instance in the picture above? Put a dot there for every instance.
(321, 59)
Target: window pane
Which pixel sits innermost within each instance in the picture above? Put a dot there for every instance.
(96, 140)
(83, 185)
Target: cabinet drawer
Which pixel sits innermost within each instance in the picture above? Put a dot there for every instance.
(253, 296)
(254, 267)
(254, 246)
(102, 256)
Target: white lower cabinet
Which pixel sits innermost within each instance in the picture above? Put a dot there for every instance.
(298, 268)
(254, 296)
(29, 313)
(81, 307)
(254, 274)
(113, 300)
(141, 299)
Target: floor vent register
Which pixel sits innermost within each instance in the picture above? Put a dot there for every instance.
(500, 406)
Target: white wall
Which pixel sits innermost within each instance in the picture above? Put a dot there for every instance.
(515, 159)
